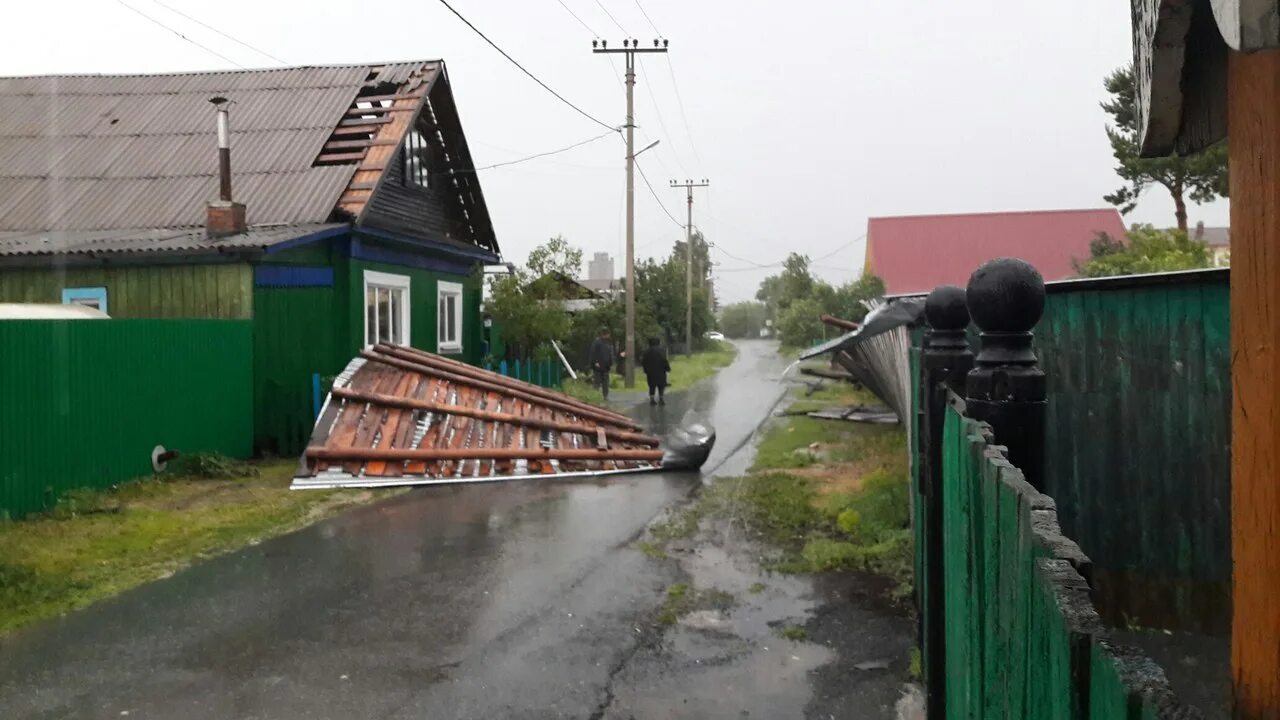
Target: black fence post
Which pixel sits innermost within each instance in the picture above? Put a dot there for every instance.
(945, 361)
(1006, 389)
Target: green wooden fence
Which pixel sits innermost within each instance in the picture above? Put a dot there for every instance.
(1022, 637)
(1138, 441)
(85, 401)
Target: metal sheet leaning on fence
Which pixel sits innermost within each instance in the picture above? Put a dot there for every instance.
(875, 354)
(403, 416)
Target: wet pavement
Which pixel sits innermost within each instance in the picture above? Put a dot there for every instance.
(519, 600)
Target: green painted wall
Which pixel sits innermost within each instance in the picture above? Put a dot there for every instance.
(293, 337)
(1139, 442)
(146, 291)
(87, 400)
(422, 299)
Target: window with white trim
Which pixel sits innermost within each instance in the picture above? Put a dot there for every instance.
(386, 308)
(448, 317)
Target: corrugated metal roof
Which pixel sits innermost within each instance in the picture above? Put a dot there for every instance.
(918, 253)
(175, 240)
(102, 152)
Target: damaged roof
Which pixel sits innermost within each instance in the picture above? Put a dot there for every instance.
(398, 415)
(120, 152)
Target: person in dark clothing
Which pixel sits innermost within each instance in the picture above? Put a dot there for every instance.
(656, 367)
(600, 358)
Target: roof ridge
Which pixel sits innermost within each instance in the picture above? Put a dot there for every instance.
(223, 71)
(990, 213)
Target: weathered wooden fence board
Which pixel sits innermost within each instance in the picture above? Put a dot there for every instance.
(1022, 637)
(1137, 449)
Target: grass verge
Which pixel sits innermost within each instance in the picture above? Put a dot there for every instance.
(685, 371)
(97, 544)
(828, 494)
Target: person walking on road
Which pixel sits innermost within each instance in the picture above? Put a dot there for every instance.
(655, 364)
(600, 358)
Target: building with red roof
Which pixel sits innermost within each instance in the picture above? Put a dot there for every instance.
(916, 253)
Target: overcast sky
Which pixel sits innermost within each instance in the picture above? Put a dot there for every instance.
(808, 117)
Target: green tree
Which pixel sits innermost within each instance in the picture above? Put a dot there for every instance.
(800, 323)
(847, 302)
(1147, 250)
(1200, 177)
(529, 303)
(743, 320)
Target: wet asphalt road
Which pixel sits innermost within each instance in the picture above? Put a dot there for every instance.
(513, 600)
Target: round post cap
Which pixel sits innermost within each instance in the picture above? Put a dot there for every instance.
(945, 308)
(1006, 295)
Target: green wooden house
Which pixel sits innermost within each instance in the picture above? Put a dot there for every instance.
(350, 214)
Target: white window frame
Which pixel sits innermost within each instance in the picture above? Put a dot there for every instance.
(443, 289)
(393, 283)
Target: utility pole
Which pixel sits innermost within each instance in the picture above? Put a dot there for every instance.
(689, 185)
(630, 48)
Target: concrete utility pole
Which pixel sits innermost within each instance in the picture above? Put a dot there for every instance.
(689, 185)
(630, 48)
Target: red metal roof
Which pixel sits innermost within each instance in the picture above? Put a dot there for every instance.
(919, 252)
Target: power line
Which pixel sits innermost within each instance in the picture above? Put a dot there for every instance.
(207, 49)
(662, 123)
(842, 247)
(533, 77)
(741, 259)
(211, 28)
(646, 17)
(683, 116)
(611, 17)
(655, 196)
(567, 148)
(580, 20)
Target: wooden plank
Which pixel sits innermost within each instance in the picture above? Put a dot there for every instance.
(1253, 97)
(370, 123)
(341, 131)
(340, 157)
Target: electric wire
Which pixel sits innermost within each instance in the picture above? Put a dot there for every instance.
(206, 48)
(211, 28)
(580, 20)
(611, 17)
(649, 19)
(680, 103)
(533, 77)
(535, 156)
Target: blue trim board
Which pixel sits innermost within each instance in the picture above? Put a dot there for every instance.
(292, 276)
(473, 254)
(79, 295)
(374, 253)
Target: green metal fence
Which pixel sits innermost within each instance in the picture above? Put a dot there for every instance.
(85, 401)
(547, 373)
(1022, 637)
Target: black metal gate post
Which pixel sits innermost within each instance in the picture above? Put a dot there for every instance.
(1006, 388)
(945, 361)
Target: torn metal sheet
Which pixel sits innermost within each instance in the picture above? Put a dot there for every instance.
(875, 415)
(402, 416)
(876, 354)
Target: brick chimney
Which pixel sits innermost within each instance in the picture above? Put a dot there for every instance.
(224, 216)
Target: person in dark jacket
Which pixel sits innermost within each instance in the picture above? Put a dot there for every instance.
(656, 367)
(600, 358)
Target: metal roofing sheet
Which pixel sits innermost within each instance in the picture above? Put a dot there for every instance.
(918, 253)
(85, 242)
(100, 151)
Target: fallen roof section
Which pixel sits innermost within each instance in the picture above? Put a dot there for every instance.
(402, 416)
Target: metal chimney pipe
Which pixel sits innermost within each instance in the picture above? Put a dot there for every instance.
(224, 148)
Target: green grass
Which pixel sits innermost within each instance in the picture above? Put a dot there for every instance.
(817, 525)
(685, 371)
(680, 600)
(795, 633)
(98, 544)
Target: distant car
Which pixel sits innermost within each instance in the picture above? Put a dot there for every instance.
(713, 335)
